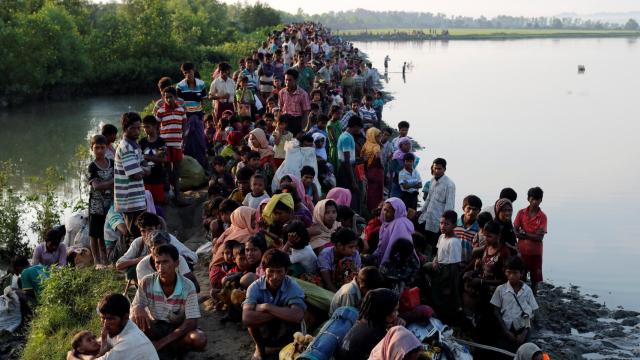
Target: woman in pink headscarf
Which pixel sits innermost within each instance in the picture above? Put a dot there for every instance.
(395, 225)
(243, 226)
(398, 344)
(340, 195)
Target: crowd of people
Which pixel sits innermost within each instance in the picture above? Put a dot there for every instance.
(344, 215)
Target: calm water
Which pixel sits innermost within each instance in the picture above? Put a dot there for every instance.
(503, 113)
(517, 113)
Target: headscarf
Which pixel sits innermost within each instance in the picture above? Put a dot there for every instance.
(320, 152)
(395, 345)
(390, 231)
(371, 148)
(507, 235)
(265, 150)
(267, 213)
(340, 195)
(526, 351)
(399, 154)
(234, 138)
(324, 237)
(240, 230)
(500, 204)
(259, 211)
(307, 201)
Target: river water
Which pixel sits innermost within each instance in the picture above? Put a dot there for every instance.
(502, 113)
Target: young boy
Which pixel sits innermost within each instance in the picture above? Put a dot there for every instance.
(100, 198)
(154, 152)
(530, 227)
(368, 113)
(280, 136)
(243, 178)
(258, 193)
(111, 133)
(467, 225)
(320, 126)
(514, 306)
(307, 174)
(218, 272)
(221, 181)
(410, 182)
(378, 104)
(403, 131)
(172, 118)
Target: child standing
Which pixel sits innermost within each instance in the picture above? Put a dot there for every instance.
(172, 118)
(111, 133)
(307, 174)
(100, 197)
(410, 182)
(258, 193)
(280, 136)
(378, 104)
(514, 306)
(530, 227)
(154, 152)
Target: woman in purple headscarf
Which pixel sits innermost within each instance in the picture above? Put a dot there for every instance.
(395, 225)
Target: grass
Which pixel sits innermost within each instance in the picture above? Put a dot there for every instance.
(466, 33)
(67, 305)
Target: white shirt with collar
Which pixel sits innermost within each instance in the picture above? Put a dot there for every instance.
(130, 344)
(220, 86)
(441, 197)
(504, 299)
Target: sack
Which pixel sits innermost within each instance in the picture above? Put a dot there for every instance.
(288, 353)
(409, 299)
(331, 334)
(315, 295)
(192, 175)
(295, 158)
(10, 315)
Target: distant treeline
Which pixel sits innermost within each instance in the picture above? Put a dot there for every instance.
(51, 48)
(367, 19)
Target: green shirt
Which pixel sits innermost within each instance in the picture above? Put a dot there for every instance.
(31, 278)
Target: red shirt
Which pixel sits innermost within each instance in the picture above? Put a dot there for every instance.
(294, 103)
(530, 225)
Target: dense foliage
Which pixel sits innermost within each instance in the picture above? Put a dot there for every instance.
(55, 48)
(66, 306)
(368, 19)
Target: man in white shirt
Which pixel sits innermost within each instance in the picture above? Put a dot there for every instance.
(441, 197)
(222, 90)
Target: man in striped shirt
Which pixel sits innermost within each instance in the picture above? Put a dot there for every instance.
(172, 118)
(166, 306)
(128, 173)
(192, 90)
(467, 226)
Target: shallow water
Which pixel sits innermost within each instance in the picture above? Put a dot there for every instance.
(518, 114)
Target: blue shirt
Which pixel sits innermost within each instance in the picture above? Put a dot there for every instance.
(346, 143)
(289, 293)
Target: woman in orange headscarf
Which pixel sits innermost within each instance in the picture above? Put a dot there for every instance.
(375, 172)
(243, 226)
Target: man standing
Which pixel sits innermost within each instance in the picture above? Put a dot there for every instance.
(274, 306)
(166, 307)
(129, 173)
(192, 90)
(306, 75)
(347, 160)
(222, 90)
(294, 101)
(441, 197)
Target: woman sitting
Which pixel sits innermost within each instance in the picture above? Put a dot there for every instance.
(395, 225)
(324, 224)
(243, 226)
(398, 344)
(402, 265)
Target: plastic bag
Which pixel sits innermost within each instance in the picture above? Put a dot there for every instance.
(10, 315)
(295, 158)
(191, 174)
(75, 223)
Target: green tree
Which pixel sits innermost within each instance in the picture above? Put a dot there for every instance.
(12, 236)
(631, 25)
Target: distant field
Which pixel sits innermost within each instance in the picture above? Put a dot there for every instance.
(489, 33)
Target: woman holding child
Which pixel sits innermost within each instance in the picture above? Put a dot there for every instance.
(324, 224)
(243, 226)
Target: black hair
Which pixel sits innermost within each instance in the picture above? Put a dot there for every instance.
(212, 205)
(403, 249)
(171, 90)
(508, 193)
(253, 155)
(306, 138)
(268, 116)
(164, 82)
(472, 200)
(114, 304)
(409, 156)
(129, 118)
(146, 219)
(108, 129)
(355, 100)
(291, 189)
(355, 121)
(451, 216)
(55, 235)
(343, 236)
(150, 120)
(440, 161)
(388, 130)
(186, 66)
(535, 192)
(244, 174)
(245, 150)
(307, 170)
(403, 125)
(20, 262)
(261, 123)
(368, 98)
(314, 106)
(298, 227)
(483, 218)
(371, 278)
(219, 160)
(515, 263)
(275, 258)
(98, 140)
(258, 240)
(492, 227)
(230, 244)
(228, 206)
(344, 213)
(284, 119)
(167, 249)
(224, 66)
(377, 305)
(323, 118)
(258, 176)
(292, 72)
(334, 109)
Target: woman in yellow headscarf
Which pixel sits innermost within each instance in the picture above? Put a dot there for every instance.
(375, 172)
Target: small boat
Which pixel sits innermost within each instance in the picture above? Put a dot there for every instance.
(581, 68)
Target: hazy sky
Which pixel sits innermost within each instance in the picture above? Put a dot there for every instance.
(461, 7)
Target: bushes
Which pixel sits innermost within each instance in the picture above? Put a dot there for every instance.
(66, 306)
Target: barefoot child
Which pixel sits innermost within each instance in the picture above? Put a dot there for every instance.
(100, 197)
(530, 227)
